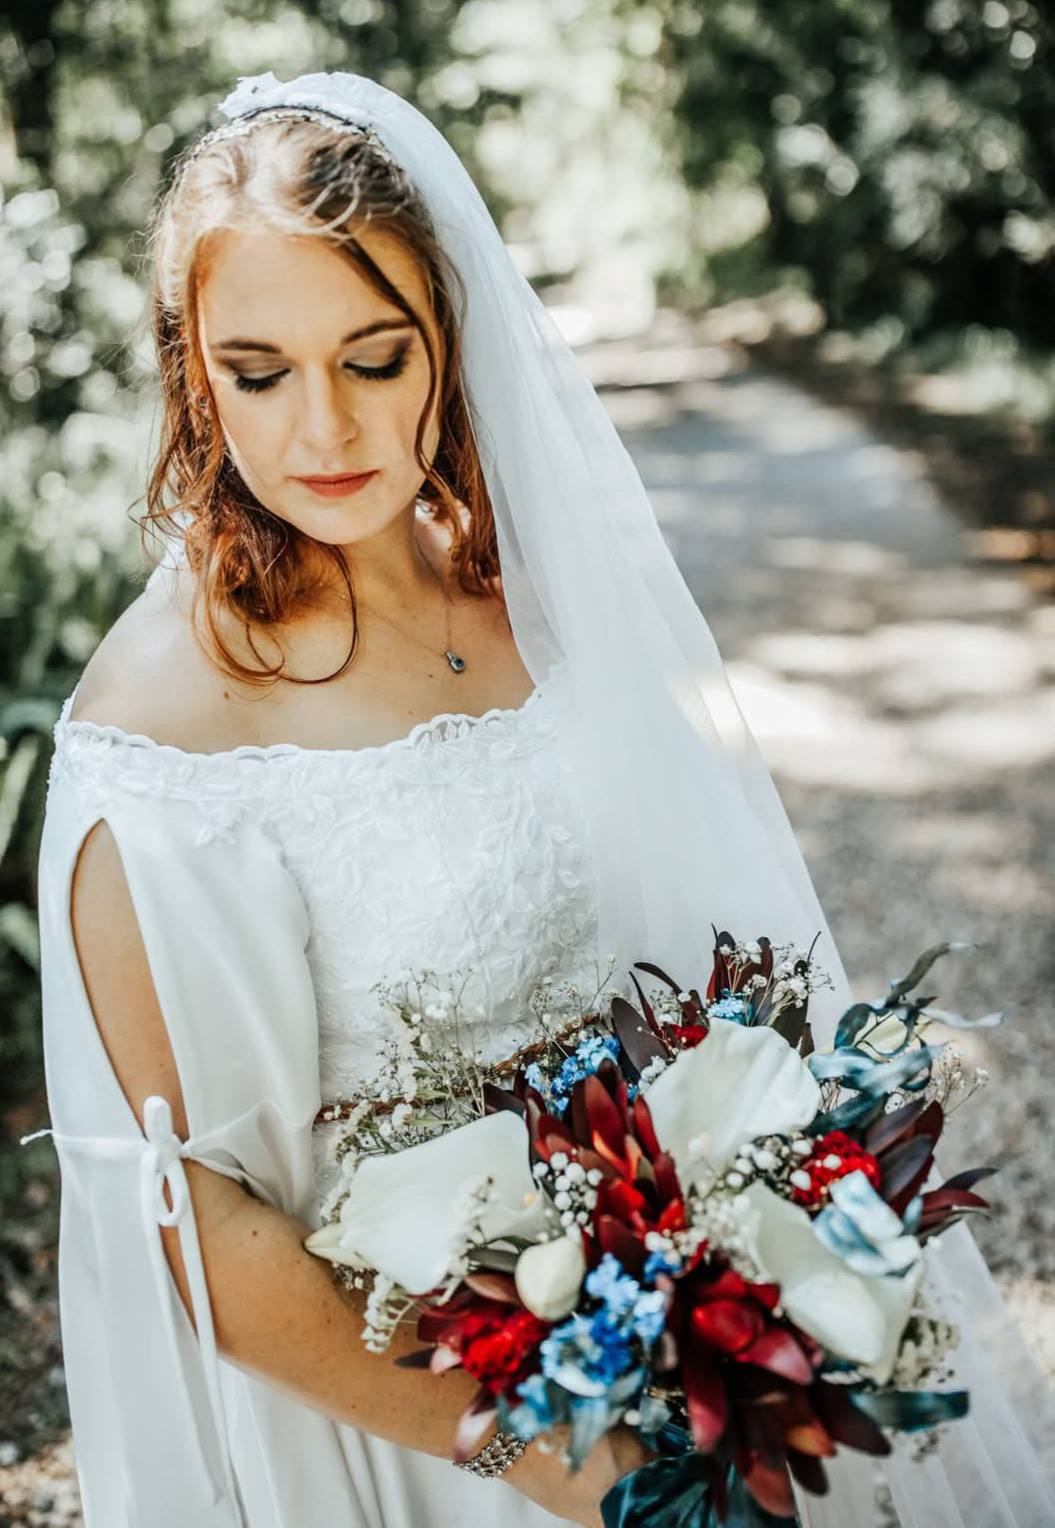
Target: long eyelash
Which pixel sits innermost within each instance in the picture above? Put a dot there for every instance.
(368, 373)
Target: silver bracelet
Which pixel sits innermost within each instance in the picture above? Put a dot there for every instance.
(503, 1450)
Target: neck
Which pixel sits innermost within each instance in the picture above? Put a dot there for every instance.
(392, 572)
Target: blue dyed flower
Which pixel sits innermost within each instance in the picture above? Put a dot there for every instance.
(860, 1227)
(730, 1007)
(586, 1353)
(535, 1079)
(582, 1063)
(657, 1263)
(610, 1283)
(626, 1304)
(535, 1413)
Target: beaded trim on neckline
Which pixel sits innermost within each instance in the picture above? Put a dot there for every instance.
(439, 728)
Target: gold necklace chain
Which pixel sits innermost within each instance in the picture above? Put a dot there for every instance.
(456, 662)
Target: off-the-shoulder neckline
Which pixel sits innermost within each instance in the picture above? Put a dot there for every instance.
(444, 724)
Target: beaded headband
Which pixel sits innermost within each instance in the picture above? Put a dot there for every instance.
(246, 120)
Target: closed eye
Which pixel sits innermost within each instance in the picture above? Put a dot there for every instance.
(369, 373)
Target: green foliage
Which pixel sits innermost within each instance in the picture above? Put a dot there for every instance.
(898, 156)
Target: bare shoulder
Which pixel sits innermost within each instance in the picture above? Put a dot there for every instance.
(149, 675)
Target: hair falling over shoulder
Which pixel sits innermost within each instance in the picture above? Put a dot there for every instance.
(301, 177)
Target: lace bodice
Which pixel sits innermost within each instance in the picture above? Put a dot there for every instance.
(453, 848)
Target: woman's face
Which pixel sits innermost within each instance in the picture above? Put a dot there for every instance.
(301, 389)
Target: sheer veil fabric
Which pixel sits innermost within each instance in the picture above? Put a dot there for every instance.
(684, 825)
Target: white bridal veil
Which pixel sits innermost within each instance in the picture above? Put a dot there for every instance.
(680, 813)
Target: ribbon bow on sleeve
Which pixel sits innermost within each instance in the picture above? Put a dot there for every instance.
(161, 1155)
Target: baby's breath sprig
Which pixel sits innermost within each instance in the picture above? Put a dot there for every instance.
(430, 1076)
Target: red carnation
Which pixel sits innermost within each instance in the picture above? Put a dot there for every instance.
(495, 1347)
(822, 1170)
(688, 1036)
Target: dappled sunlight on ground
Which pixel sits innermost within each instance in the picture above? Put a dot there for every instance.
(903, 694)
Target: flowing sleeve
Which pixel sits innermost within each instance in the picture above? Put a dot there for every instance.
(224, 928)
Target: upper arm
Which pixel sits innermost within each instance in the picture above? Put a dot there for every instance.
(117, 977)
(120, 989)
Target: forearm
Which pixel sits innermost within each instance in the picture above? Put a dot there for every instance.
(279, 1313)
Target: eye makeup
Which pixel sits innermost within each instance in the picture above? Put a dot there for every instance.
(391, 369)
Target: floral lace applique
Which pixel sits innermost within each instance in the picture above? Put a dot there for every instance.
(453, 848)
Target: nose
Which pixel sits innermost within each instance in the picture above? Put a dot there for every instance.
(329, 420)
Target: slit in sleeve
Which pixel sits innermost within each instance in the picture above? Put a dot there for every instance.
(224, 930)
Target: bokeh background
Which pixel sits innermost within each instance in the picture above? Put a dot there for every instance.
(805, 250)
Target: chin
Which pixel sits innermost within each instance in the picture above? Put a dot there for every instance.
(349, 525)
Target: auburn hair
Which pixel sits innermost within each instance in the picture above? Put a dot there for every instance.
(296, 176)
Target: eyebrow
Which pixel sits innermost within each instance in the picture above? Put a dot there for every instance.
(379, 326)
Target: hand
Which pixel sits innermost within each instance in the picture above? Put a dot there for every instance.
(548, 1481)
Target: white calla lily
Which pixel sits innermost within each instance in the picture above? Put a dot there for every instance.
(326, 1242)
(859, 1317)
(738, 1083)
(405, 1214)
(549, 1277)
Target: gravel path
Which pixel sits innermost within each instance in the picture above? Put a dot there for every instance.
(904, 697)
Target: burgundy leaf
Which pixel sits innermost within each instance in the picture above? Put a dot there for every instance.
(811, 1436)
(640, 1042)
(791, 1024)
(496, 1099)
(553, 1135)
(615, 1086)
(970, 1177)
(705, 1396)
(603, 1116)
(932, 1121)
(472, 1424)
(933, 1227)
(644, 1128)
(577, 1114)
(777, 1351)
(948, 1198)
(438, 1325)
(731, 1326)
(889, 1128)
(613, 1237)
(649, 1012)
(666, 1173)
(422, 1359)
(903, 1165)
(771, 1488)
(808, 1471)
(644, 965)
(493, 1286)
(845, 1421)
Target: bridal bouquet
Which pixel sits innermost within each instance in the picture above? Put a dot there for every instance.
(678, 1216)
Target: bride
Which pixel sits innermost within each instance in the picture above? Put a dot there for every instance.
(419, 688)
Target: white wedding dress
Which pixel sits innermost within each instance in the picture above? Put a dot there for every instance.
(452, 847)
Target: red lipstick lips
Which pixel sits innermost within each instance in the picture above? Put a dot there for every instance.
(337, 486)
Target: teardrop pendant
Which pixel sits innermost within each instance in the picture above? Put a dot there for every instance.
(456, 663)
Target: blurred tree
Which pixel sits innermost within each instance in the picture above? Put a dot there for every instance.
(899, 158)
